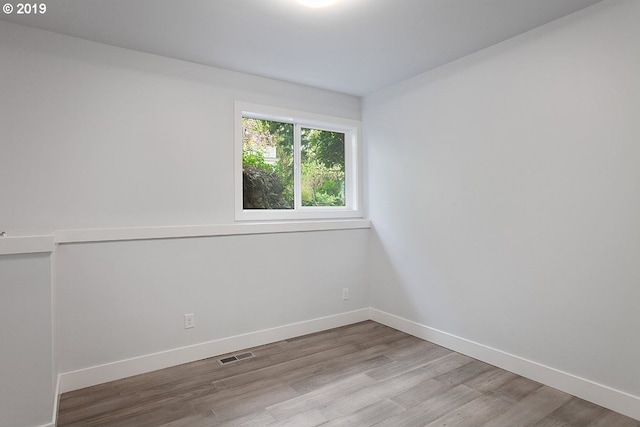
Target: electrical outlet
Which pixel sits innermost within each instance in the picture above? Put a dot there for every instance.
(189, 321)
(345, 293)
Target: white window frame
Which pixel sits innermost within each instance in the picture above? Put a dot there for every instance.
(352, 131)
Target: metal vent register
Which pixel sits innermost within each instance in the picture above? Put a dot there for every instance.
(236, 357)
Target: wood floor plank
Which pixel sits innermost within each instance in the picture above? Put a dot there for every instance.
(609, 419)
(206, 419)
(409, 345)
(464, 373)
(361, 374)
(417, 394)
(338, 370)
(418, 380)
(320, 396)
(236, 406)
(383, 337)
(550, 422)
(531, 409)
(432, 409)
(491, 381)
(145, 415)
(472, 414)
(256, 419)
(577, 412)
(368, 415)
(438, 364)
(516, 389)
(310, 418)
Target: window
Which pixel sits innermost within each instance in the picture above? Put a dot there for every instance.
(292, 165)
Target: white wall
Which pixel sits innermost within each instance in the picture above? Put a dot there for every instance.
(94, 136)
(122, 300)
(26, 353)
(504, 191)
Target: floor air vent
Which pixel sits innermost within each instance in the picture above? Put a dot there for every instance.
(235, 358)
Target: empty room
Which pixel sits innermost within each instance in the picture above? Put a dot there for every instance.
(329, 212)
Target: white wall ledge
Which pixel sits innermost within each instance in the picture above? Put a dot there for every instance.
(176, 232)
(14, 245)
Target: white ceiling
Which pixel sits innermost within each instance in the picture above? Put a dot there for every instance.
(354, 47)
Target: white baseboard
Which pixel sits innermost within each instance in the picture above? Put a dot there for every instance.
(599, 394)
(94, 375)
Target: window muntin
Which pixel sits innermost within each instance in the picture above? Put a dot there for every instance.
(295, 166)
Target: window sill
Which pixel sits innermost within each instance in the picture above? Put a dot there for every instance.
(176, 232)
(304, 214)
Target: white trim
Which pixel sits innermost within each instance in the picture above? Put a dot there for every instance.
(599, 394)
(138, 365)
(268, 112)
(297, 172)
(237, 158)
(14, 245)
(175, 232)
(310, 213)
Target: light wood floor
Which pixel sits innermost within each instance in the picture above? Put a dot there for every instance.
(359, 375)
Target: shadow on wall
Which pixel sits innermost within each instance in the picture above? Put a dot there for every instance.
(387, 286)
(415, 282)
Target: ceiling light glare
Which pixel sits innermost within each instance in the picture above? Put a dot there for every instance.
(317, 3)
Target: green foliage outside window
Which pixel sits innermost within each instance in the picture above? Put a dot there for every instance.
(268, 146)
